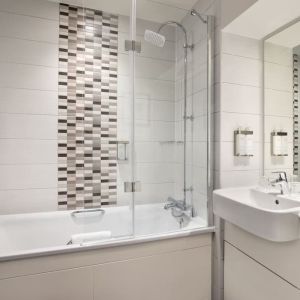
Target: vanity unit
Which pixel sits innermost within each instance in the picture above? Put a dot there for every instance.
(261, 244)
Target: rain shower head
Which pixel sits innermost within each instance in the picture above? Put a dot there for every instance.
(154, 38)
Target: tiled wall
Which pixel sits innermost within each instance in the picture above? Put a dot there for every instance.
(239, 104)
(278, 102)
(87, 119)
(28, 105)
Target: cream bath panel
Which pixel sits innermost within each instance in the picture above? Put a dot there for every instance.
(160, 268)
(157, 277)
(75, 284)
(62, 261)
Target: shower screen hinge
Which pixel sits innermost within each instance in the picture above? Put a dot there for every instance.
(191, 117)
(133, 46)
(131, 187)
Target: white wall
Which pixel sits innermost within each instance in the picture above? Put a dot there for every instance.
(28, 105)
(239, 105)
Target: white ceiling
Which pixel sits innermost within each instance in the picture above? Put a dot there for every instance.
(289, 37)
(264, 17)
(153, 10)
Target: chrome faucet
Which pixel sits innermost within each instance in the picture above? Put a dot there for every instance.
(281, 182)
(171, 202)
(179, 208)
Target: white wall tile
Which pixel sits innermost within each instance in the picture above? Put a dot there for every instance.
(241, 70)
(155, 193)
(200, 204)
(29, 28)
(14, 126)
(147, 88)
(278, 103)
(146, 109)
(198, 180)
(278, 77)
(198, 105)
(28, 77)
(35, 8)
(238, 178)
(199, 155)
(155, 152)
(278, 54)
(28, 177)
(241, 99)
(28, 52)
(28, 101)
(27, 201)
(241, 46)
(155, 131)
(198, 133)
(147, 68)
(155, 172)
(28, 105)
(20, 151)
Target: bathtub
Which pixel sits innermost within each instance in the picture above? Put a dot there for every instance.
(36, 234)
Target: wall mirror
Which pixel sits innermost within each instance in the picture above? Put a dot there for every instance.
(281, 100)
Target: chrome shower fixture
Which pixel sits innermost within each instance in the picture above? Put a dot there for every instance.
(195, 13)
(157, 39)
(154, 38)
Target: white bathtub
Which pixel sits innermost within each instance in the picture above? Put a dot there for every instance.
(36, 234)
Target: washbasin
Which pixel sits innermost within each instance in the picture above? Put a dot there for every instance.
(272, 217)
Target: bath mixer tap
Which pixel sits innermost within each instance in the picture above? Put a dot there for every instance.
(171, 203)
(179, 208)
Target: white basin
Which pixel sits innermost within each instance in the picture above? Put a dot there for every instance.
(275, 218)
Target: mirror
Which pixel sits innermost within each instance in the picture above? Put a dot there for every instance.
(281, 98)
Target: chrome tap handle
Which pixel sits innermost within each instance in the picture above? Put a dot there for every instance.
(282, 176)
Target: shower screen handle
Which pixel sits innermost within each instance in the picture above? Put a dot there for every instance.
(86, 211)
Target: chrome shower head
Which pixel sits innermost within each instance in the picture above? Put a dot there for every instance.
(154, 38)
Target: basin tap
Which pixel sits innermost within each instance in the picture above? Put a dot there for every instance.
(283, 185)
(281, 176)
(281, 182)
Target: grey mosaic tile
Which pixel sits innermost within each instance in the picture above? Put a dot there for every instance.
(87, 106)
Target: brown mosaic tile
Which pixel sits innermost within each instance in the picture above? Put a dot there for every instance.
(87, 106)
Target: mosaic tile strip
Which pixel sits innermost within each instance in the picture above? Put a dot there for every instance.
(296, 112)
(87, 105)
